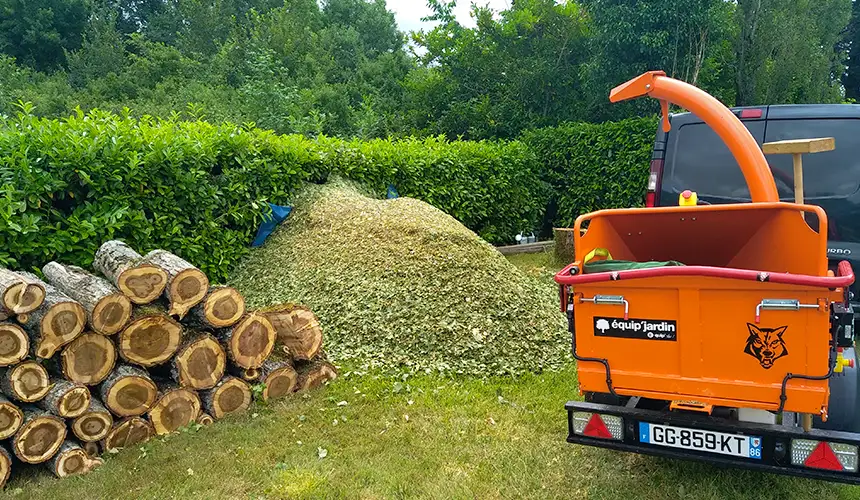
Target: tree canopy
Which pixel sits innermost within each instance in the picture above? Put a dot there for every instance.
(342, 67)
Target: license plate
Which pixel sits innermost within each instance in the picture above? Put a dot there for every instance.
(700, 440)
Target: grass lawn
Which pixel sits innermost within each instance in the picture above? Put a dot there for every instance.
(366, 436)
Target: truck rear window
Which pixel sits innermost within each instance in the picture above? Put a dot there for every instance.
(832, 174)
(701, 162)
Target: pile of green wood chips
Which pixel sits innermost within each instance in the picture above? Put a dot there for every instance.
(398, 284)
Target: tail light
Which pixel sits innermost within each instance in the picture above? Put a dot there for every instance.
(824, 455)
(598, 425)
(654, 178)
(750, 113)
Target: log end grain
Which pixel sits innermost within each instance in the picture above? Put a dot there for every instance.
(111, 314)
(200, 363)
(88, 359)
(27, 381)
(298, 329)
(314, 373)
(5, 466)
(74, 402)
(250, 341)
(72, 460)
(23, 297)
(223, 307)
(128, 432)
(231, 396)
(175, 409)
(186, 290)
(205, 419)
(61, 324)
(39, 437)
(14, 344)
(150, 340)
(279, 378)
(128, 391)
(93, 425)
(142, 283)
(11, 418)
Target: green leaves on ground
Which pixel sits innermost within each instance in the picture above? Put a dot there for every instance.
(398, 284)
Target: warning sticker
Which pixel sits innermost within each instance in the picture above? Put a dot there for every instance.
(633, 328)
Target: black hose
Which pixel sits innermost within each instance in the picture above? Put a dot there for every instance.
(603, 361)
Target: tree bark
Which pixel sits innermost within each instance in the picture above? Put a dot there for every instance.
(66, 399)
(128, 391)
(223, 306)
(250, 341)
(230, 396)
(151, 338)
(88, 359)
(140, 282)
(72, 460)
(108, 309)
(27, 381)
(5, 466)
(314, 373)
(14, 344)
(186, 285)
(11, 418)
(55, 323)
(176, 407)
(297, 328)
(280, 379)
(199, 363)
(19, 294)
(128, 432)
(94, 424)
(39, 437)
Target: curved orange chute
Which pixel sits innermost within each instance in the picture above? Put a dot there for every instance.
(736, 136)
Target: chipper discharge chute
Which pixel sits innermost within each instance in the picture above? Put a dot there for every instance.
(714, 332)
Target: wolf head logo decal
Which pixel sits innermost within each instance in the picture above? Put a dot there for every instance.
(766, 344)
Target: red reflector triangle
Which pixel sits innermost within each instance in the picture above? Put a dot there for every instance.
(596, 428)
(823, 458)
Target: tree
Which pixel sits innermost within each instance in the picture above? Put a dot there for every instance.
(507, 74)
(37, 32)
(102, 51)
(851, 79)
(684, 38)
(789, 51)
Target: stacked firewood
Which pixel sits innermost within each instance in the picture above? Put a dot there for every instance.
(143, 346)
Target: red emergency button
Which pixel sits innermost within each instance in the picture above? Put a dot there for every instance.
(687, 194)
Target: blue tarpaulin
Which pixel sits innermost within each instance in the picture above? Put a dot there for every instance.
(392, 192)
(270, 222)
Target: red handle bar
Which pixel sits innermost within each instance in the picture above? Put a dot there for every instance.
(844, 275)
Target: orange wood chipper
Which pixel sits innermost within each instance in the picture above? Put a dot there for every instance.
(714, 332)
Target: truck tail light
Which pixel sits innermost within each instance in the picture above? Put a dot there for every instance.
(654, 178)
(824, 455)
(598, 425)
(750, 113)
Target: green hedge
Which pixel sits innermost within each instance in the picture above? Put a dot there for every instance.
(199, 189)
(488, 186)
(593, 166)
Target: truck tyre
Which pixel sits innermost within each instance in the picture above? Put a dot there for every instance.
(844, 404)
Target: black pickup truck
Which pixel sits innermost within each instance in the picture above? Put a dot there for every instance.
(691, 156)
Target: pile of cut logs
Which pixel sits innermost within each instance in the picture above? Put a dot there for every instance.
(100, 361)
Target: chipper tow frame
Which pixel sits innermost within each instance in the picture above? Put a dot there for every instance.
(717, 333)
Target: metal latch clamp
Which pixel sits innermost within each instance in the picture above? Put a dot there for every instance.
(610, 300)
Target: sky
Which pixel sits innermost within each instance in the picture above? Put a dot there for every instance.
(409, 12)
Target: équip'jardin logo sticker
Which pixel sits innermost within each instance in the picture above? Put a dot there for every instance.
(634, 328)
